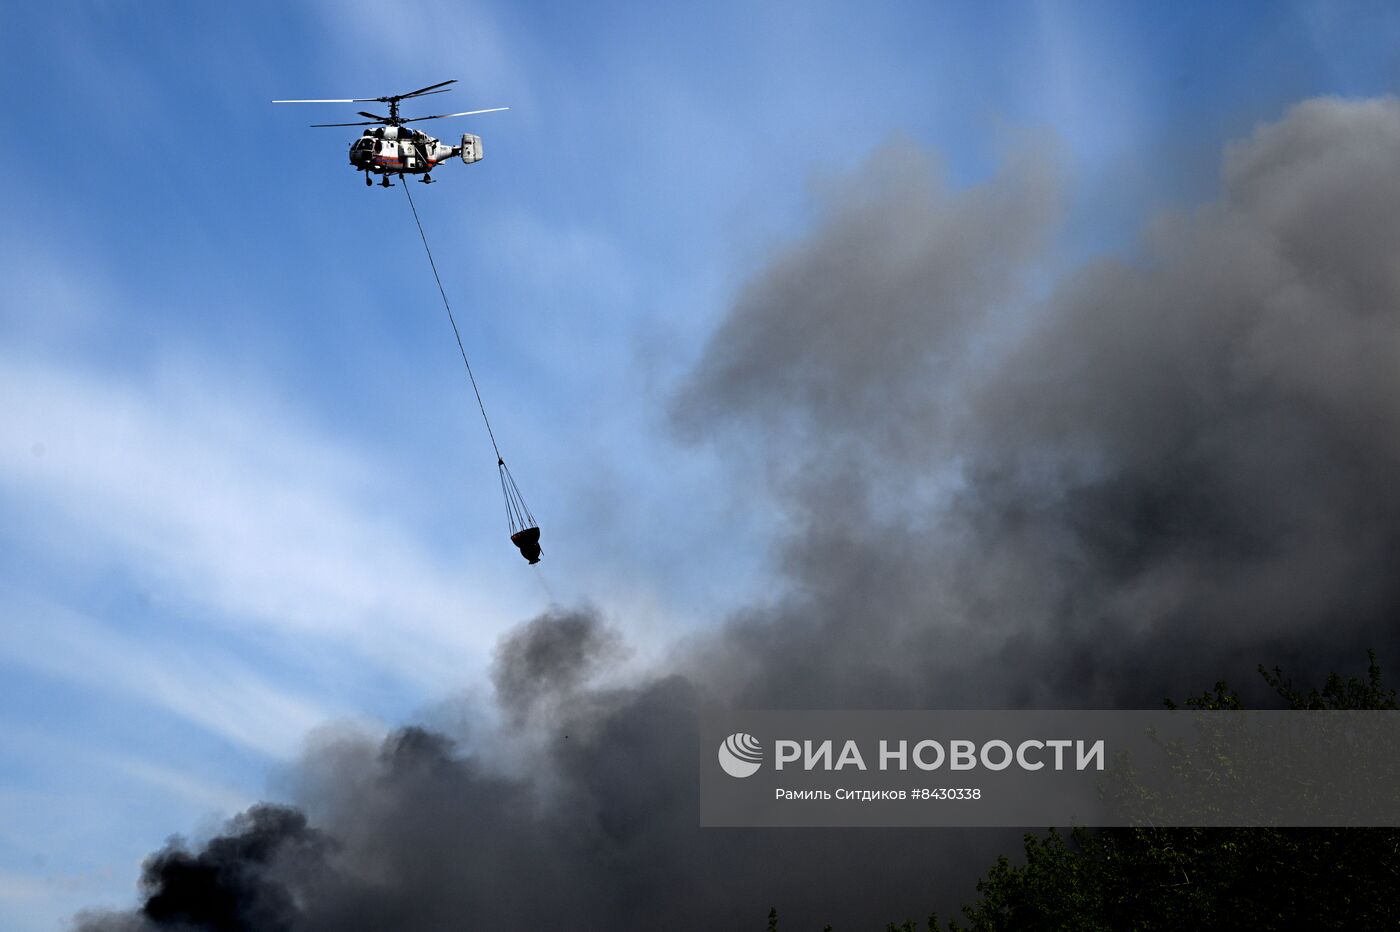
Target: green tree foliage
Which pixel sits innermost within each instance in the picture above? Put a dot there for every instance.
(1209, 878)
(1184, 878)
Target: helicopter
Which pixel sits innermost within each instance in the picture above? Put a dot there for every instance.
(393, 148)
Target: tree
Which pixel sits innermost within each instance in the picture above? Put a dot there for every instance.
(1185, 878)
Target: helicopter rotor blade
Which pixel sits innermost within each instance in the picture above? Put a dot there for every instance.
(375, 116)
(443, 116)
(345, 100)
(374, 123)
(422, 91)
(397, 97)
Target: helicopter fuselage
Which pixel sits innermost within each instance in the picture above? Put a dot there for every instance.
(399, 150)
(391, 147)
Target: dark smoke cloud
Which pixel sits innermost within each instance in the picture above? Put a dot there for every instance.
(547, 660)
(1166, 470)
(598, 830)
(239, 880)
(889, 289)
(1181, 466)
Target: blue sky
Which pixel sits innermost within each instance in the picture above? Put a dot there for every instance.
(244, 491)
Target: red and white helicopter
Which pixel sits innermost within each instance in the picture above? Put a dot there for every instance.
(392, 148)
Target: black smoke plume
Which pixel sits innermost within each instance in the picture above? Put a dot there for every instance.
(1160, 470)
(238, 880)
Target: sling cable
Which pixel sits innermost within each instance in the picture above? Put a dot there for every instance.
(524, 529)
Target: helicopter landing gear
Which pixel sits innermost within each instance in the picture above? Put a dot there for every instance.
(368, 182)
(386, 183)
(427, 178)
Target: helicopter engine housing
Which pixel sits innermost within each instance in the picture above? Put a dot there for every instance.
(471, 148)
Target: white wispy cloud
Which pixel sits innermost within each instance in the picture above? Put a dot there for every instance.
(203, 686)
(175, 782)
(219, 498)
(432, 40)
